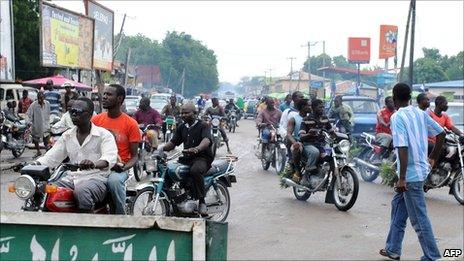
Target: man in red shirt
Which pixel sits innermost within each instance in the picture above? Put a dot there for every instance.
(443, 119)
(24, 103)
(382, 129)
(146, 115)
(127, 135)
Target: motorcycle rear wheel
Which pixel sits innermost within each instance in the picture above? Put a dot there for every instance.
(142, 202)
(280, 160)
(458, 189)
(301, 195)
(341, 202)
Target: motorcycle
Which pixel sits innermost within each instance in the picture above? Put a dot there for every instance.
(215, 123)
(145, 164)
(232, 120)
(273, 150)
(169, 193)
(372, 156)
(334, 175)
(35, 187)
(170, 122)
(15, 135)
(449, 170)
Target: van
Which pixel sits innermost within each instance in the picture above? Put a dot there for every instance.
(14, 92)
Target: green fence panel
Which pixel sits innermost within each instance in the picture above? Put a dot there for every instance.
(59, 236)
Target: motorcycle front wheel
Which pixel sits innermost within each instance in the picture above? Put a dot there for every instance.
(218, 211)
(142, 204)
(367, 174)
(458, 189)
(300, 194)
(18, 152)
(346, 193)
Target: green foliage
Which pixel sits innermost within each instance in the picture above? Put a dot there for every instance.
(26, 40)
(286, 173)
(388, 173)
(177, 52)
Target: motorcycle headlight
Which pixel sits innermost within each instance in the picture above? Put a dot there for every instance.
(215, 122)
(344, 146)
(24, 187)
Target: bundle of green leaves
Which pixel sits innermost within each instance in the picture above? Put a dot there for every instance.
(388, 173)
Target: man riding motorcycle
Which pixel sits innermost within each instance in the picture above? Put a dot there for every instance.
(171, 110)
(90, 146)
(313, 143)
(269, 115)
(145, 116)
(344, 114)
(196, 137)
(127, 135)
(293, 137)
(217, 110)
(382, 129)
(231, 106)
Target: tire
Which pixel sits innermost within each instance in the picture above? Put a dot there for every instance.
(18, 152)
(344, 206)
(225, 196)
(301, 195)
(280, 159)
(233, 129)
(138, 206)
(458, 189)
(367, 174)
(245, 117)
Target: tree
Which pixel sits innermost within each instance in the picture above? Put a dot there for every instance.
(427, 70)
(317, 62)
(26, 40)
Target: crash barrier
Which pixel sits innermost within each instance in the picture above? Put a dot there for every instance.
(60, 236)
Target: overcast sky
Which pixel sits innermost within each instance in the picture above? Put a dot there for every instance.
(250, 37)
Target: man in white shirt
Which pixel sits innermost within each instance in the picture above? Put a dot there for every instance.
(65, 122)
(287, 114)
(90, 146)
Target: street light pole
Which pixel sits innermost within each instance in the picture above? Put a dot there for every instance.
(309, 44)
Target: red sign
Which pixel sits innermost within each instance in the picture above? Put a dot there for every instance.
(359, 49)
(388, 39)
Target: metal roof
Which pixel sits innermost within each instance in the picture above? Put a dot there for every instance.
(445, 84)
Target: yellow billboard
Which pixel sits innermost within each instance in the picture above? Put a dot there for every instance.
(67, 38)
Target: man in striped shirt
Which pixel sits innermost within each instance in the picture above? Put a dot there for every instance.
(410, 127)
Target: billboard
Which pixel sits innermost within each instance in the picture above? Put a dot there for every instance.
(103, 35)
(388, 39)
(7, 72)
(66, 38)
(359, 49)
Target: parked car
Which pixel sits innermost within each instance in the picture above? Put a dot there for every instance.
(365, 113)
(14, 92)
(132, 104)
(159, 100)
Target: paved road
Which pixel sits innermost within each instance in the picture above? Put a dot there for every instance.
(267, 222)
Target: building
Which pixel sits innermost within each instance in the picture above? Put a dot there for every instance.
(148, 76)
(299, 81)
(453, 89)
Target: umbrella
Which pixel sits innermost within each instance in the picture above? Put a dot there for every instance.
(58, 81)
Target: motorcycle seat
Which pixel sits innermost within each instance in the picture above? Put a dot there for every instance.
(218, 166)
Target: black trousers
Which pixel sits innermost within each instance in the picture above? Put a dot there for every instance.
(198, 168)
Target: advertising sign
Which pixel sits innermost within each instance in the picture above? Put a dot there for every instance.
(66, 37)
(103, 35)
(359, 49)
(7, 72)
(388, 39)
(317, 84)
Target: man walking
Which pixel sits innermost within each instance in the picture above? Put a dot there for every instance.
(410, 127)
(38, 115)
(53, 97)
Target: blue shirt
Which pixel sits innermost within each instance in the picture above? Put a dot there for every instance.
(284, 106)
(296, 130)
(54, 98)
(410, 127)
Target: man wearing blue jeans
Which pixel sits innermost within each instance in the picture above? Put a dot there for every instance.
(410, 127)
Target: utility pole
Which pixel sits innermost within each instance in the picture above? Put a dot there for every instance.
(291, 73)
(183, 82)
(126, 66)
(411, 50)
(405, 47)
(116, 47)
(323, 59)
(309, 44)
